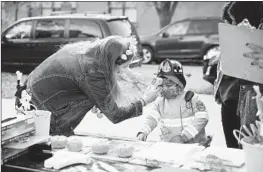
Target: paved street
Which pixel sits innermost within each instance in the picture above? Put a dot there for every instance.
(129, 128)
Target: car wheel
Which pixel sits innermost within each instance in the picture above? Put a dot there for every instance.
(147, 55)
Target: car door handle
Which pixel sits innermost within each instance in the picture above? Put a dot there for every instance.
(179, 39)
(31, 45)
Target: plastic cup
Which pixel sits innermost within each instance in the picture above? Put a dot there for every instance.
(42, 122)
(253, 153)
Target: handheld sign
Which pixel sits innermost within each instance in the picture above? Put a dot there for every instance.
(233, 45)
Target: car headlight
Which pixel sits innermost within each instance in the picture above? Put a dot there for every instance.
(213, 54)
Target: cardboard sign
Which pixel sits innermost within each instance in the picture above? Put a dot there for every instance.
(233, 40)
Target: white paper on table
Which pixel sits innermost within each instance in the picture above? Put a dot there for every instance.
(169, 152)
(92, 125)
(63, 158)
(230, 156)
(233, 41)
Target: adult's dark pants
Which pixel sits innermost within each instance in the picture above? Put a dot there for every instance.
(230, 121)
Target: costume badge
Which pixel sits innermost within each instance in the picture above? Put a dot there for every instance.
(200, 106)
(166, 67)
(188, 105)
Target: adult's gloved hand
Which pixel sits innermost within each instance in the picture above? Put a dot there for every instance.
(151, 94)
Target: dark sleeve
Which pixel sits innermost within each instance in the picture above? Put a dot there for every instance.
(17, 102)
(229, 88)
(95, 87)
(247, 106)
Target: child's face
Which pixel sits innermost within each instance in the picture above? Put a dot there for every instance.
(170, 89)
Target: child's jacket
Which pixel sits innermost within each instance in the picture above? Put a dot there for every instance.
(176, 116)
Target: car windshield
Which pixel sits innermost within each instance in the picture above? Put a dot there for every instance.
(213, 23)
(161, 30)
(121, 28)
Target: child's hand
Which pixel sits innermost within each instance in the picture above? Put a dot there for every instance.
(184, 138)
(177, 139)
(142, 136)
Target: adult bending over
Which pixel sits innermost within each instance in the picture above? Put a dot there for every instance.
(82, 75)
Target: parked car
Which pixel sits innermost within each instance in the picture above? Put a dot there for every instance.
(211, 59)
(186, 40)
(29, 41)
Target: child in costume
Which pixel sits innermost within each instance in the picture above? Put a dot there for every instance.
(181, 115)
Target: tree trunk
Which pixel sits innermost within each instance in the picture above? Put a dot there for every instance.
(165, 18)
(29, 11)
(123, 8)
(165, 11)
(109, 7)
(16, 11)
